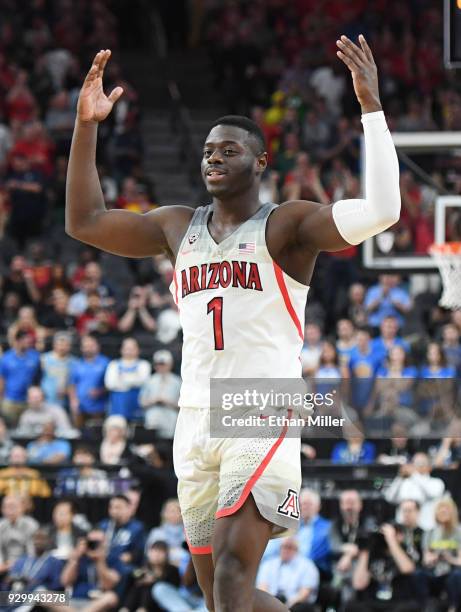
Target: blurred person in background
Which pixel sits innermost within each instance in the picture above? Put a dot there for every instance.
(20, 281)
(124, 379)
(354, 449)
(312, 348)
(55, 316)
(171, 531)
(56, 366)
(124, 535)
(98, 582)
(437, 381)
(346, 342)
(19, 368)
(63, 533)
(155, 569)
(442, 554)
(138, 317)
(415, 482)
(388, 338)
(6, 443)
(290, 577)
(39, 412)
(114, 445)
(159, 395)
(16, 531)
(452, 346)
(399, 449)
(19, 479)
(47, 448)
(364, 363)
(387, 299)
(87, 390)
(27, 322)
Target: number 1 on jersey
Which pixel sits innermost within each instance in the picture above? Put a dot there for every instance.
(215, 306)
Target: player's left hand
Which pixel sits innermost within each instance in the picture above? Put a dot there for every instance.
(360, 62)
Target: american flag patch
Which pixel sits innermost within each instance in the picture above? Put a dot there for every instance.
(247, 247)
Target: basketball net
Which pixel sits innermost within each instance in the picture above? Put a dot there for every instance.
(447, 256)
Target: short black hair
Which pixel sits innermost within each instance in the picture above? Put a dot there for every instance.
(122, 497)
(246, 124)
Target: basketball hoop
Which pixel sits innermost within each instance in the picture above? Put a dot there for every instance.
(447, 256)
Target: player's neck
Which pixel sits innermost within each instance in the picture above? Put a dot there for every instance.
(236, 209)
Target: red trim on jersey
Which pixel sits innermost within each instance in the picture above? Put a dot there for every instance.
(286, 298)
(255, 476)
(175, 280)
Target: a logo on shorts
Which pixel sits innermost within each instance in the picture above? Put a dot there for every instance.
(193, 237)
(290, 505)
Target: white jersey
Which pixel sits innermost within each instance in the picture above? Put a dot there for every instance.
(241, 315)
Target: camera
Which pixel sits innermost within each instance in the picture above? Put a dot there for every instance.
(93, 544)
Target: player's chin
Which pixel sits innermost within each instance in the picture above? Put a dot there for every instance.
(216, 190)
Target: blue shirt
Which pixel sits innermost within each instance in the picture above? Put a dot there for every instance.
(386, 307)
(19, 373)
(86, 376)
(39, 452)
(289, 577)
(55, 376)
(379, 347)
(406, 396)
(363, 368)
(40, 571)
(342, 454)
(126, 538)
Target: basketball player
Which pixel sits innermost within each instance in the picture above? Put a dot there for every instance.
(241, 276)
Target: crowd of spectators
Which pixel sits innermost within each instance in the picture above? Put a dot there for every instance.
(89, 372)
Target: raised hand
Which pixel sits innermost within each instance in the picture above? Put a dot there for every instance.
(93, 105)
(360, 62)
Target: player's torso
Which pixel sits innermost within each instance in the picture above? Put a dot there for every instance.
(242, 317)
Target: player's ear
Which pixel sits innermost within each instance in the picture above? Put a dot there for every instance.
(261, 162)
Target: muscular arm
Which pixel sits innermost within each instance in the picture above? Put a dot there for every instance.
(87, 219)
(316, 227)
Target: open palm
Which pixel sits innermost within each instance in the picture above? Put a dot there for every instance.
(93, 104)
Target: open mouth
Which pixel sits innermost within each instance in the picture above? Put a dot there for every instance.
(215, 175)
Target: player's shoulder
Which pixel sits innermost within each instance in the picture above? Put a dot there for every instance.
(296, 210)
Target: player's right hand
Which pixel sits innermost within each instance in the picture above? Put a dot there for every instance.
(93, 105)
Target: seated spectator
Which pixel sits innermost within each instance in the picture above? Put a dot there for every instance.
(59, 120)
(354, 449)
(388, 339)
(64, 534)
(19, 368)
(451, 346)
(314, 531)
(442, 554)
(303, 182)
(20, 281)
(83, 480)
(10, 310)
(170, 531)
(413, 535)
(16, 532)
(387, 299)
(6, 444)
(437, 380)
(415, 482)
(86, 322)
(124, 378)
(384, 577)
(290, 577)
(87, 390)
(159, 395)
(124, 535)
(27, 322)
(328, 375)
(56, 316)
(47, 448)
(114, 446)
(39, 412)
(98, 582)
(364, 362)
(138, 316)
(312, 348)
(393, 395)
(344, 537)
(39, 568)
(18, 479)
(57, 365)
(399, 450)
(156, 569)
(92, 281)
(346, 341)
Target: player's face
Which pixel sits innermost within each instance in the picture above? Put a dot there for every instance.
(230, 163)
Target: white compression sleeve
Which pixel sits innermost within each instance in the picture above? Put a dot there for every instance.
(358, 220)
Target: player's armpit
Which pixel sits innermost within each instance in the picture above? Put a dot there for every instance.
(129, 234)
